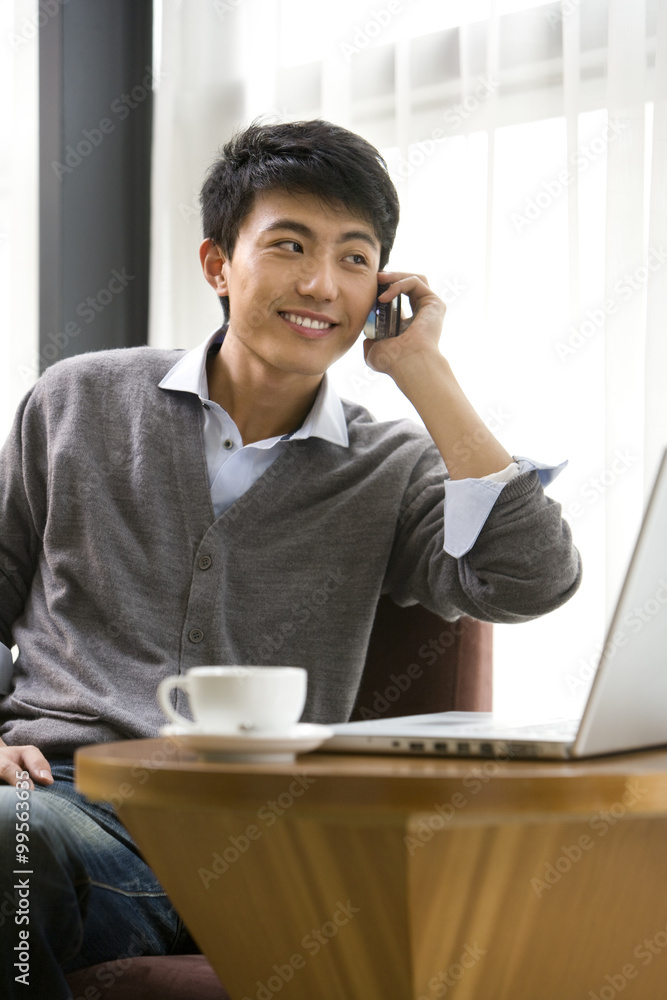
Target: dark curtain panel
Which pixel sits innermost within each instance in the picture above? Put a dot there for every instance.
(96, 82)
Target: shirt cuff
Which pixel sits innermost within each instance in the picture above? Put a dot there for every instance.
(468, 502)
(6, 669)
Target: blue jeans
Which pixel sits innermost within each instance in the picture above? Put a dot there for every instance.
(89, 895)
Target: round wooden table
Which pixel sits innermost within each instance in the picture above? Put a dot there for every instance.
(342, 877)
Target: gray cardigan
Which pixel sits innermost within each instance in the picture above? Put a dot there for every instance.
(114, 572)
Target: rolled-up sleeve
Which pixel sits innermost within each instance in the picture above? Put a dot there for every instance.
(468, 502)
(516, 562)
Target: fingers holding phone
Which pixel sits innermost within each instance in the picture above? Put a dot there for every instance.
(387, 320)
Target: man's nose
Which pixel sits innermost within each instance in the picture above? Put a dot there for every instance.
(317, 278)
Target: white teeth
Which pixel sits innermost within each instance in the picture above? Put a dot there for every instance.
(312, 324)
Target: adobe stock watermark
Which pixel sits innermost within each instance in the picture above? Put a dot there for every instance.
(365, 33)
(109, 972)
(21, 886)
(422, 830)
(400, 682)
(224, 7)
(596, 486)
(581, 678)
(454, 116)
(11, 906)
(494, 419)
(30, 26)
(312, 943)
(601, 823)
(645, 951)
(624, 289)
(459, 113)
(440, 984)
(567, 8)
(468, 444)
(551, 190)
(91, 138)
(87, 310)
(631, 624)
(142, 772)
(268, 814)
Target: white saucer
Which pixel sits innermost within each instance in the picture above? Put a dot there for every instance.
(250, 748)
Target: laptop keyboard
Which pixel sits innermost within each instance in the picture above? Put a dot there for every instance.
(562, 730)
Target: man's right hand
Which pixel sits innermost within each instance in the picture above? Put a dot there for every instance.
(13, 760)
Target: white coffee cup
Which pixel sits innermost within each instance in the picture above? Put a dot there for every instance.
(232, 700)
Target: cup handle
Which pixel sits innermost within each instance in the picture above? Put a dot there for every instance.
(165, 687)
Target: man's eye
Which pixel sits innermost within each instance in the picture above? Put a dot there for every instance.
(290, 243)
(358, 258)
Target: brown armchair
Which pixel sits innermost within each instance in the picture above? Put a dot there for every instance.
(416, 663)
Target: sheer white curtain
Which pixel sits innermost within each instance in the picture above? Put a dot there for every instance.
(528, 142)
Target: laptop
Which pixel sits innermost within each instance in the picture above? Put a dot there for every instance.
(627, 703)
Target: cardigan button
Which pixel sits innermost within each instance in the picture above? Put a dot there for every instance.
(205, 562)
(195, 635)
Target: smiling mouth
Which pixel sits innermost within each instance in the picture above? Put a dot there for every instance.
(306, 322)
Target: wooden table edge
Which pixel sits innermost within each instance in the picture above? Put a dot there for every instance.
(152, 772)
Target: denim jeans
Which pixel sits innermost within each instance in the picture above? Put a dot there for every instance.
(89, 895)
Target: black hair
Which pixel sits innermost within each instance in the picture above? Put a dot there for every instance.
(312, 157)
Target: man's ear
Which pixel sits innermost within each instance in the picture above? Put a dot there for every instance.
(212, 260)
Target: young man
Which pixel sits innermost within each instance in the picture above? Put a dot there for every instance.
(161, 508)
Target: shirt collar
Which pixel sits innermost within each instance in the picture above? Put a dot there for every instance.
(326, 418)
(189, 372)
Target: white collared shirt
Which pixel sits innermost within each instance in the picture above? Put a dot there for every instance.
(232, 466)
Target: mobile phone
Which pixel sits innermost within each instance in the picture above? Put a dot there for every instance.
(384, 319)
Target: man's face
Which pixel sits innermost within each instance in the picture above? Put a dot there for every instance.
(301, 281)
